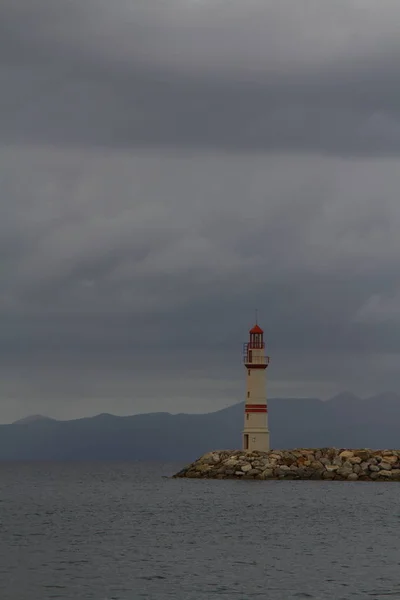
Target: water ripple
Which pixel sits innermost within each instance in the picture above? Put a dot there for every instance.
(123, 532)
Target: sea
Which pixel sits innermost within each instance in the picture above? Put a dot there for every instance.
(128, 531)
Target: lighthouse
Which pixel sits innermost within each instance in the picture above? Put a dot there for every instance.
(255, 434)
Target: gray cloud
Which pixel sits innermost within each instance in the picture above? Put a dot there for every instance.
(264, 77)
(118, 260)
(168, 167)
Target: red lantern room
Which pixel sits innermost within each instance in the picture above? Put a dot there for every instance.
(253, 350)
(256, 337)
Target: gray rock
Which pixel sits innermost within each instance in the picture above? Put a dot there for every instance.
(203, 468)
(305, 473)
(332, 468)
(347, 465)
(253, 472)
(267, 473)
(282, 471)
(344, 472)
(390, 458)
(317, 465)
(246, 468)
(318, 473)
(297, 453)
(232, 462)
(346, 454)
(385, 466)
(270, 464)
(385, 473)
(363, 454)
(294, 473)
(352, 477)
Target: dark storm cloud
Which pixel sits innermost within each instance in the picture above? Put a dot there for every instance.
(164, 171)
(127, 261)
(314, 77)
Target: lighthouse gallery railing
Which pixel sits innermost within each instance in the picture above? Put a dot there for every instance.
(250, 358)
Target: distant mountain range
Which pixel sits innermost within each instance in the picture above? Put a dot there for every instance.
(32, 419)
(343, 421)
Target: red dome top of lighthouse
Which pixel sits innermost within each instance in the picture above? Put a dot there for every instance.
(256, 329)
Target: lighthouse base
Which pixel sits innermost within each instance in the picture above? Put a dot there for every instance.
(256, 440)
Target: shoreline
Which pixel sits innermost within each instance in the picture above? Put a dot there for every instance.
(326, 464)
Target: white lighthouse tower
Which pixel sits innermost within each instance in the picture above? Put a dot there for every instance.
(256, 433)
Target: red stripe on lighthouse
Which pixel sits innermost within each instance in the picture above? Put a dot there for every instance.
(256, 408)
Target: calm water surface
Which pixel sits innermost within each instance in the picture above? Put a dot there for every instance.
(121, 531)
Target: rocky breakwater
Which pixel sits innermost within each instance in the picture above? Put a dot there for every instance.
(321, 463)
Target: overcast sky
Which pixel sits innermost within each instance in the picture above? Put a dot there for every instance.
(166, 167)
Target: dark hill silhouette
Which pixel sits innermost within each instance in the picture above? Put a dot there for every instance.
(343, 421)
